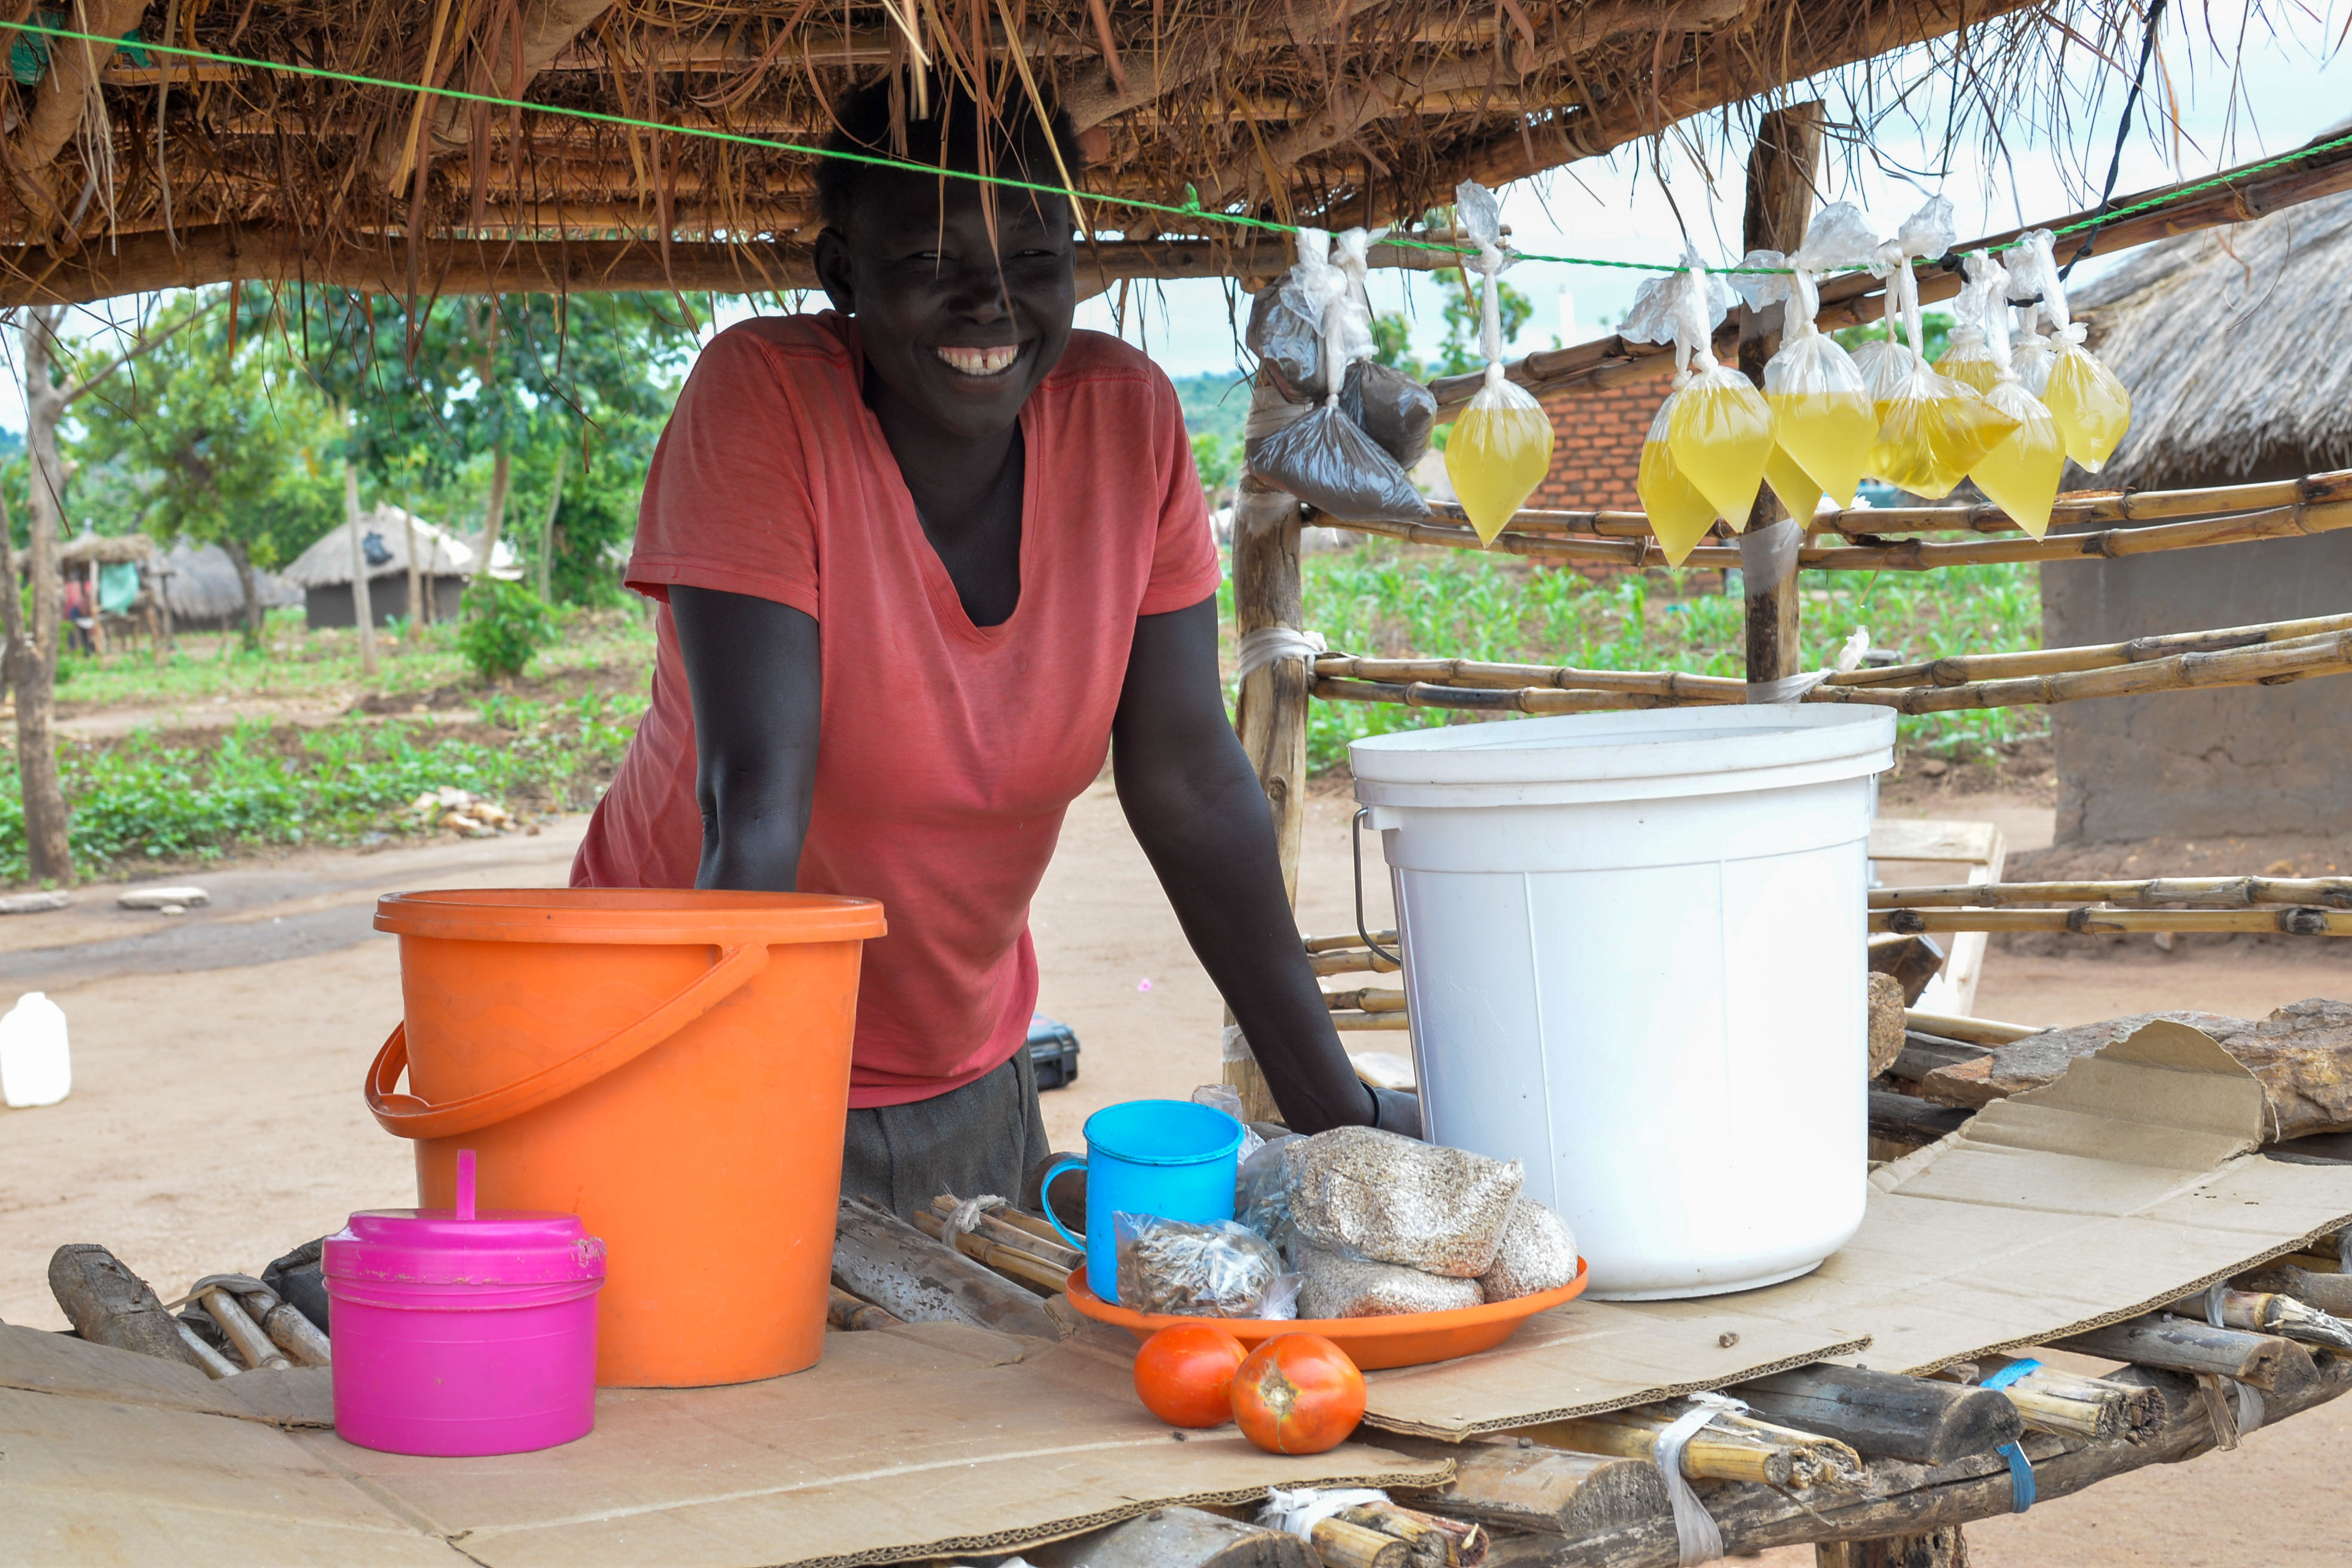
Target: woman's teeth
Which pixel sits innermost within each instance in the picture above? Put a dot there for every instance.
(979, 362)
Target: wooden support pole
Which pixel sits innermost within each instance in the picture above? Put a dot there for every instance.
(1936, 1549)
(1271, 713)
(2185, 1346)
(1782, 180)
(1885, 1413)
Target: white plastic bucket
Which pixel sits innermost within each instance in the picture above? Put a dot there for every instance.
(1634, 959)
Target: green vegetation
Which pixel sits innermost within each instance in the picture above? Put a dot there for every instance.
(1379, 599)
(1935, 335)
(505, 625)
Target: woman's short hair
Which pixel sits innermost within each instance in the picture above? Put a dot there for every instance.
(1021, 141)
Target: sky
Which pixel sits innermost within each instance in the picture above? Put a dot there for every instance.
(2287, 84)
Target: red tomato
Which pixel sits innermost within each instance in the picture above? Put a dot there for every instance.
(1298, 1393)
(1184, 1375)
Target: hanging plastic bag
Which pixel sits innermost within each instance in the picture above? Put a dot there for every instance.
(1714, 434)
(2092, 408)
(1500, 446)
(1392, 408)
(1932, 429)
(1970, 359)
(1323, 457)
(1822, 419)
(1285, 324)
(2020, 473)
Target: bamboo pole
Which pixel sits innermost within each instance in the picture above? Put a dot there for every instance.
(1361, 1023)
(2263, 665)
(1961, 669)
(1049, 1247)
(2229, 893)
(1365, 999)
(2079, 506)
(1506, 677)
(1018, 1265)
(1484, 699)
(1733, 1447)
(1969, 1031)
(1350, 939)
(1351, 960)
(2094, 920)
(2093, 1408)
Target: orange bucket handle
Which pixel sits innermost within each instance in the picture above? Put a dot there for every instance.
(405, 1116)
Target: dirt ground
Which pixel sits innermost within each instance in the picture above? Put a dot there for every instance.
(216, 1121)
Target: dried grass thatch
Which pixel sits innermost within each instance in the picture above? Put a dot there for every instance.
(90, 548)
(2227, 342)
(1333, 114)
(440, 553)
(199, 585)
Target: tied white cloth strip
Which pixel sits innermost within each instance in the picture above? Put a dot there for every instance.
(967, 1215)
(1297, 1510)
(2250, 1408)
(1792, 689)
(1694, 1529)
(1234, 1045)
(1268, 645)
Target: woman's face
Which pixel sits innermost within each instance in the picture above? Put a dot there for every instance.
(959, 325)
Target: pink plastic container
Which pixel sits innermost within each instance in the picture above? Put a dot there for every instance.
(464, 1333)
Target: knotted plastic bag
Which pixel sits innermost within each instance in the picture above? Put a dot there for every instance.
(1932, 429)
(2021, 472)
(1822, 419)
(1219, 1270)
(1970, 359)
(1714, 434)
(1285, 324)
(2092, 408)
(1393, 409)
(1323, 457)
(1500, 446)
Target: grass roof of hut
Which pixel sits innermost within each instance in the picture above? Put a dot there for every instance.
(130, 168)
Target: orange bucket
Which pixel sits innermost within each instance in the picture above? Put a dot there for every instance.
(672, 1066)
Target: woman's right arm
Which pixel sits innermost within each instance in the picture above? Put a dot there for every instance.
(754, 669)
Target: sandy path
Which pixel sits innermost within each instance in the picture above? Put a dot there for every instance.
(217, 1120)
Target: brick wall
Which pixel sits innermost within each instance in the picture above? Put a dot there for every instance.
(1597, 445)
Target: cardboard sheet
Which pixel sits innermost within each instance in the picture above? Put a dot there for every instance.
(901, 1444)
(2127, 1183)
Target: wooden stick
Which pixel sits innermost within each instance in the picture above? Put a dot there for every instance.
(2330, 1292)
(1426, 1546)
(2072, 510)
(223, 1308)
(1511, 677)
(844, 1310)
(2183, 1344)
(1354, 961)
(1885, 1413)
(1534, 700)
(1969, 1031)
(1029, 1224)
(297, 1335)
(1022, 1266)
(1365, 999)
(2096, 1408)
(1365, 1022)
(2222, 892)
(1048, 1249)
(2093, 920)
(217, 1366)
(1732, 1447)
(2270, 1313)
(1959, 669)
(1346, 1545)
(2264, 666)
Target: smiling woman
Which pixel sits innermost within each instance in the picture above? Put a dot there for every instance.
(924, 558)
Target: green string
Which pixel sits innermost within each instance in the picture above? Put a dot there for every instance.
(1191, 208)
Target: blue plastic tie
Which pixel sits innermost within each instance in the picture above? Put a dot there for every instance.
(2021, 1468)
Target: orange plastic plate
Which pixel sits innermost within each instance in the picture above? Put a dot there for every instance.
(1405, 1339)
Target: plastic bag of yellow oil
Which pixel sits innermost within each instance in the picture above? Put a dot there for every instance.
(1500, 446)
(1970, 360)
(1679, 515)
(2092, 408)
(1822, 420)
(1937, 430)
(1721, 435)
(2021, 472)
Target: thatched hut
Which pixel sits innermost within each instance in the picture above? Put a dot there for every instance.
(200, 171)
(324, 571)
(2224, 339)
(197, 586)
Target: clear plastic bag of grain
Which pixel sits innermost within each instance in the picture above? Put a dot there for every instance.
(1537, 1254)
(1220, 1270)
(1336, 1287)
(1367, 1193)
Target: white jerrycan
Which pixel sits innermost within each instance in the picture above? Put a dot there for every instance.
(34, 1068)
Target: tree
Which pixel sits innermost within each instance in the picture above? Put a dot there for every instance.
(1460, 352)
(1935, 335)
(229, 445)
(54, 383)
(1393, 344)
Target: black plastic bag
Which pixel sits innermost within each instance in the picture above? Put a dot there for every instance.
(1327, 461)
(1393, 409)
(297, 1279)
(1285, 333)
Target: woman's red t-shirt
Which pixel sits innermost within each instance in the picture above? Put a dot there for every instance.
(948, 751)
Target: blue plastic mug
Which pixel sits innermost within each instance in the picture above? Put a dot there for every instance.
(1165, 1157)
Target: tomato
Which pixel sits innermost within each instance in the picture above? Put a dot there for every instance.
(1298, 1393)
(1184, 1375)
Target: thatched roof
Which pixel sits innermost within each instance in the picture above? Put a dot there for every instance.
(199, 584)
(2227, 342)
(104, 548)
(440, 553)
(1337, 114)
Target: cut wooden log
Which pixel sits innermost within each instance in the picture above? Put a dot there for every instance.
(1342, 1544)
(1542, 1488)
(881, 1259)
(1933, 1549)
(1922, 1054)
(2301, 1052)
(1900, 1123)
(108, 1305)
(1732, 1447)
(2097, 1409)
(1886, 1003)
(2186, 1345)
(847, 1313)
(1886, 1414)
(1426, 1546)
(2281, 1313)
(1913, 959)
(1177, 1538)
(2331, 1293)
